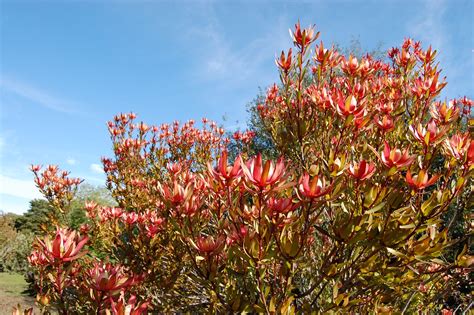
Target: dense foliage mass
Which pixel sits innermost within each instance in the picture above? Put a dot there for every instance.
(350, 217)
(15, 246)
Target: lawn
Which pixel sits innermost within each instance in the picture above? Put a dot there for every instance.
(12, 287)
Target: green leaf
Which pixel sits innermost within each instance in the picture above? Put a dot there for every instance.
(429, 205)
(376, 208)
(344, 207)
(392, 171)
(395, 252)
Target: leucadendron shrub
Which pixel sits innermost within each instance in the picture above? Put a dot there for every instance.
(348, 219)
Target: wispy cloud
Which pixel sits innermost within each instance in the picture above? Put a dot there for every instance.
(25, 189)
(13, 204)
(429, 26)
(38, 96)
(94, 180)
(96, 168)
(71, 161)
(16, 193)
(220, 59)
(236, 126)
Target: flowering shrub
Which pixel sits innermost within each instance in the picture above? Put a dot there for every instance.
(349, 218)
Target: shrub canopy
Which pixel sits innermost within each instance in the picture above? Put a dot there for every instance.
(351, 217)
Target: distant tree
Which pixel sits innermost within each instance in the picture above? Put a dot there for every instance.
(37, 218)
(7, 227)
(14, 246)
(87, 192)
(98, 194)
(14, 252)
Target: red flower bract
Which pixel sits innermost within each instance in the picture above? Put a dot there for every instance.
(362, 170)
(284, 63)
(66, 245)
(280, 205)
(108, 278)
(457, 145)
(313, 188)
(37, 258)
(130, 307)
(348, 106)
(209, 244)
(262, 174)
(386, 123)
(444, 113)
(420, 181)
(303, 38)
(470, 153)
(428, 136)
(224, 172)
(395, 157)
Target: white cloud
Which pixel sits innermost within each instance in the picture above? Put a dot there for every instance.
(2, 145)
(97, 168)
(219, 59)
(94, 180)
(14, 205)
(38, 96)
(237, 126)
(71, 161)
(429, 27)
(25, 189)
(16, 194)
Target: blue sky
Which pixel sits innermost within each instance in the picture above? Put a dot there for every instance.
(66, 67)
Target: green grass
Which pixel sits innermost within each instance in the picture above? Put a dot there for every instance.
(12, 284)
(12, 293)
